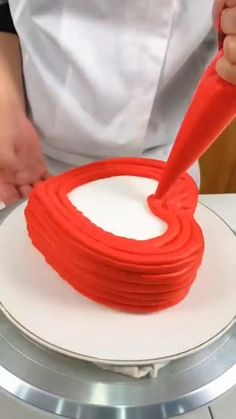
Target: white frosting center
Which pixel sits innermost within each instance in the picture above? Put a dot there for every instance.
(119, 205)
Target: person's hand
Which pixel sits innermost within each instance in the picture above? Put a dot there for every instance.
(22, 163)
(226, 66)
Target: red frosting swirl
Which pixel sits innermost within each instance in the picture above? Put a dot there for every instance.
(138, 276)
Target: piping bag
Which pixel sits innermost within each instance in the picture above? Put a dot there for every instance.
(212, 109)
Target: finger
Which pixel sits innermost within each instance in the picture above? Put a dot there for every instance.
(230, 48)
(218, 7)
(228, 21)
(31, 166)
(31, 174)
(25, 191)
(9, 194)
(8, 167)
(226, 70)
(25, 177)
(46, 175)
(43, 178)
(230, 3)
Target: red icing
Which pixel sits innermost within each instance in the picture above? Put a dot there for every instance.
(126, 274)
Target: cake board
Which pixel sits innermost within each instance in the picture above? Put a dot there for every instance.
(47, 310)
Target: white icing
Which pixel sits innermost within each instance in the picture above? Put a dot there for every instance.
(118, 205)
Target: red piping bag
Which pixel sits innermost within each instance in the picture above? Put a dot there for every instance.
(212, 109)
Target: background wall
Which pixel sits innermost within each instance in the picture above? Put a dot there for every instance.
(218, 165)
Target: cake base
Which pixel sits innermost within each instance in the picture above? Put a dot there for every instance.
(51, 313)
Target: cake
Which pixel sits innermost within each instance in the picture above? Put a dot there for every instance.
(137, 276)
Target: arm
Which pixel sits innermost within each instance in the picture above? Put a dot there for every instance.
(11, 86)
(21, 161)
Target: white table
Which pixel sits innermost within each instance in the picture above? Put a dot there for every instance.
(223, 205)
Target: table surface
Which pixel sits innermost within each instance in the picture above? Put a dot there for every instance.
(75, 389)
(223, 205)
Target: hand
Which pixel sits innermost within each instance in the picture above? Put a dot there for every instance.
(22, 163)
(226, 66)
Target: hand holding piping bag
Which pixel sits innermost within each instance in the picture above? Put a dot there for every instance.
(213, 106)
(225, 24)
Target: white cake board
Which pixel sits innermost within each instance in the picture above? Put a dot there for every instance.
(50, 312)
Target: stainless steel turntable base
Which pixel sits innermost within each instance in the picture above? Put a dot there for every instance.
(78, 390)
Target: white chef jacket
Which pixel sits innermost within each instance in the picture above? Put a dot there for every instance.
(111, 78)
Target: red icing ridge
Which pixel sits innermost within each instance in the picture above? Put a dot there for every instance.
(138, 276)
